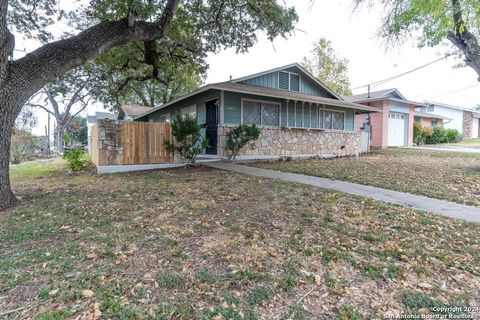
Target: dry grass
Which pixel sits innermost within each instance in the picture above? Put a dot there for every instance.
(206, 244)
(450, 176)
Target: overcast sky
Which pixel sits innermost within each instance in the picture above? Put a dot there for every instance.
(353, 36)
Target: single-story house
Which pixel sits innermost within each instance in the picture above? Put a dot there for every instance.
(465, 120)
(430, 120)
(393, 126)
(129, 112)
(298, 115)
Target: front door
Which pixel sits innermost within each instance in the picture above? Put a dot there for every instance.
(211, 126)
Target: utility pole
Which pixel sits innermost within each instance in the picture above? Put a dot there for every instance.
(48, 133)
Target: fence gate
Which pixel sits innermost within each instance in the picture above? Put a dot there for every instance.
(144, 142)
(365, 142)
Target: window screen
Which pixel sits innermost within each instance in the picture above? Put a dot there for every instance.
(294, 82)
(283, 79)
(252, 112)
(264, 113)
(331, 120)
(270, 114)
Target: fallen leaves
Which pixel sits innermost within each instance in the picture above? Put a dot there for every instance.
(87, 293)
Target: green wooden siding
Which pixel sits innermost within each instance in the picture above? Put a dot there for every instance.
(233, 111)
(199, 100)
(271, 80)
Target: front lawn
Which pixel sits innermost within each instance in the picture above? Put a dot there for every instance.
(442, 175)
(207, 244)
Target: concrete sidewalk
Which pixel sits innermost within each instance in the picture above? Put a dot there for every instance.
(449, 209)
(447, 149)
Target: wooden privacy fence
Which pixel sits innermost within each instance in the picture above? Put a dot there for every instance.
(124, 143)
(144, 142)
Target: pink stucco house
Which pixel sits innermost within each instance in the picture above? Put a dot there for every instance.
(393, 125)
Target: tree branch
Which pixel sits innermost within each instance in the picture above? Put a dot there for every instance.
(464, 40)
(4, 45)
(52, 60)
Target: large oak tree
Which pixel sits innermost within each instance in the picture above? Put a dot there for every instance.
(218, 23)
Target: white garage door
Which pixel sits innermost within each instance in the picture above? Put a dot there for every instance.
(396, 129)
(475, 128)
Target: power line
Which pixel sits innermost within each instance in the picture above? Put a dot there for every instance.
(403, 73)
(453, 91)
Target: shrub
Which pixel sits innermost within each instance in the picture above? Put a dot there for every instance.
(188, 141)
(420, 133)
(239, 137)
(75, 160)
(442, 135)
(22, 146)
(453, 136)
(439, 136)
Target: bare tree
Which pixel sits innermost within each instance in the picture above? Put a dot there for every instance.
(64, 100)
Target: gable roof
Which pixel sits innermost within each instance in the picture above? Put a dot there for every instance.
(268, 92)
(449, 106)
(301, 70)
(99, 115)
(379, 94)
(423, 114)
(134, 110)
(387, 94)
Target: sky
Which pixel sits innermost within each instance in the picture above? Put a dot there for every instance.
(353, 36)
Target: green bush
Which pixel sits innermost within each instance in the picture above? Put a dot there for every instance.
(75, 160)
(453, 136)
(443, 135)
(188, 140)
(239, 137)
(420, 133)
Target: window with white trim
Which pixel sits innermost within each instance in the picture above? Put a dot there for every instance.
(190, 110)
(329, 119)
(261, 113)
(164, 118)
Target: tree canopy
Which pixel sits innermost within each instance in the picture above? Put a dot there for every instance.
(431, 22)
(327, 67)
(101, 25)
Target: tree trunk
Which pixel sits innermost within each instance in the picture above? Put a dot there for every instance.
(59, 138)
(20, 79)
(7, 199)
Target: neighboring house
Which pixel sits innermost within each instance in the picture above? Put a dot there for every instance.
(298, 115)
(430, 120)
(91, 120)
(465, 120)
(393, 126)
(129, 112)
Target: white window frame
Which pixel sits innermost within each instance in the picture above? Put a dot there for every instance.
(261, 111)
(289, 75)
(189, 112)
(167, 118)
(320, 109)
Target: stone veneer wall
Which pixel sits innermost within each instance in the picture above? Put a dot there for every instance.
(467, 125)
(110, 148)
(294, 141)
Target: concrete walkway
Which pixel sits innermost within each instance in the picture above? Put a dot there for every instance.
(449, 209)
(447, 149)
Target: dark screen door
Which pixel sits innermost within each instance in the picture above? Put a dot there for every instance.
(212, 126)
